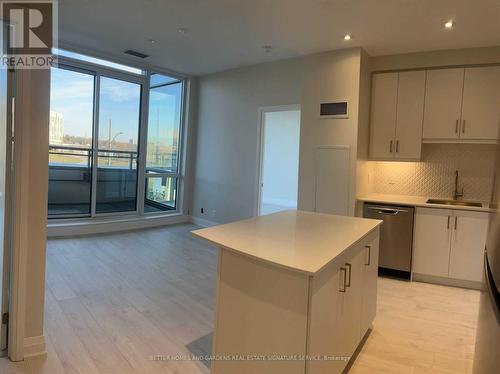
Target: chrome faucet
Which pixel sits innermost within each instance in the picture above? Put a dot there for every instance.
(456, 194)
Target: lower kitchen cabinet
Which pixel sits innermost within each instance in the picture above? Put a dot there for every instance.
(467, 245)
(370, 276)
(343, 307)
(449, 243)
(431, 241)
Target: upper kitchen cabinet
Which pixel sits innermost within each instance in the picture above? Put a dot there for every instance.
(481, 103)
(383, 115)
(462, 105)
(397, 115)
(443, 103)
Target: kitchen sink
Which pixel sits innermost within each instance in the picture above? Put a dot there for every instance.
(454, 202)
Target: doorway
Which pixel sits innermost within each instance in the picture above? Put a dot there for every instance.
(279, 158)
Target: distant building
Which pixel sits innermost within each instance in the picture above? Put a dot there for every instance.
(56, 129)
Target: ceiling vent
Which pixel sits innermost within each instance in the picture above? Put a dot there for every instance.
(135, 53)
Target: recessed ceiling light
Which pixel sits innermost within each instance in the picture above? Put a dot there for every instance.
(449, 24)
(347, 37)
(182, 30)
(152, 41)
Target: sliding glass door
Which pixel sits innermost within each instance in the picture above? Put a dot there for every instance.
(119, 118)
(70, 142)
(93, 168)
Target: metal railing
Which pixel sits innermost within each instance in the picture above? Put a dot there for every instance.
(65, 150)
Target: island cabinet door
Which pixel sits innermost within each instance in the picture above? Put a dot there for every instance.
(349, 307)
(370, 277)
(325, 347)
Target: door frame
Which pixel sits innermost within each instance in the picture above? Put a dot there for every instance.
(260, 147)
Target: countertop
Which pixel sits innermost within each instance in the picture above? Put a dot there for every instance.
(418, 201)
(298, 240)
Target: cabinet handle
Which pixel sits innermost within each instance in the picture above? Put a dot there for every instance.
(343, 270)
(463, 127)
(456, 126)
(448, 227)
(456, 222)
(390, 146)
(348, 266)
(397, 146)
(369, 255)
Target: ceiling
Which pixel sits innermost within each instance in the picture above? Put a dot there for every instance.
(223, 34)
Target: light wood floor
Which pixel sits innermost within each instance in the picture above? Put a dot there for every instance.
(114, 301)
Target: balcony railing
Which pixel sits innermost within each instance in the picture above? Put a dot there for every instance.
(70, 182)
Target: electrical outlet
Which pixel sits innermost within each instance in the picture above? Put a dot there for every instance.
(213, 213)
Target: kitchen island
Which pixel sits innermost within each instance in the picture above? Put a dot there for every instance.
(296, 292)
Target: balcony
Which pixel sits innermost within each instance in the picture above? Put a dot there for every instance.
(70, 183)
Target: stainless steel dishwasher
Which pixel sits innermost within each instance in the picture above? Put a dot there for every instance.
(396, 238)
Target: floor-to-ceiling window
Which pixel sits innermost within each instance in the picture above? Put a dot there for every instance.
(98, 164)
(162, 159)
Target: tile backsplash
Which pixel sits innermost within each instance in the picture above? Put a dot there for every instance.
(434, 175)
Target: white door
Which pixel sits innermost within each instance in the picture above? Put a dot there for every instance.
(410, 114)
(443, 103)
(468, 242)
(432, 240)
(383, 115)
(481, 103)
(279, 171)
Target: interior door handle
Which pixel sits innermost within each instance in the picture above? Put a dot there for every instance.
(390, 146)
(456, 126)
(397, 146)
(448, 227)
(463, 127)
(456, 222)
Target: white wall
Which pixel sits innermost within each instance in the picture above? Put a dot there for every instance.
(226, 156)
(280, 165)
(328, 77)
(225, 167)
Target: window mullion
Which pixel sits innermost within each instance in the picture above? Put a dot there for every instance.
(95, 146)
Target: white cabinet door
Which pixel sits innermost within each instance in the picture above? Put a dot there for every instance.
(324, 331)
(468, 241)
(410, 114)
(481, 103)
(383, 115)
(443, 103)
(370, 276)
(349, 311)
(432, 239)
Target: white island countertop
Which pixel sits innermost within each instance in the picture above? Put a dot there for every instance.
(297, 240)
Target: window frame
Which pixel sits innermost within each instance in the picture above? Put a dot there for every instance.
(98, 71)
(180, 151)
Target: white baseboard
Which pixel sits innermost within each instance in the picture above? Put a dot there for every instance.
(75, 227)
(203, 222)
(34, 346)
(446, 281)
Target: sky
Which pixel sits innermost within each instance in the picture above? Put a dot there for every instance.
(72, 96)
